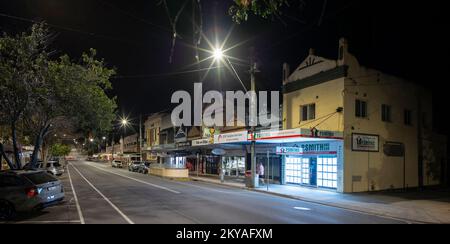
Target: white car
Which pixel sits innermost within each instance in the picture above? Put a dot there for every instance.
(52, 167)
(117, 164)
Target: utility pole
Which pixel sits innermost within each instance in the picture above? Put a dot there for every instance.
(140, 137)
(253, 71)
(112, 144)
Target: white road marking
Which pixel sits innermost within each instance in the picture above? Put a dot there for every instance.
(80, 214)
(302, 209)
(104, 197)
(137, 180)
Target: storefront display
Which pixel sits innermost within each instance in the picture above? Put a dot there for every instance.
(312, 164)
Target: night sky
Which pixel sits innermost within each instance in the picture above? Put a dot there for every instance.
(404, 38)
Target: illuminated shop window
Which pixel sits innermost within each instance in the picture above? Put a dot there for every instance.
(327, 172)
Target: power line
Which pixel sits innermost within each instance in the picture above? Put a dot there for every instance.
(163, 74)
(92, 34)
(129, 14)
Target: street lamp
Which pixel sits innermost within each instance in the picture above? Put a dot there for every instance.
(124, 122)
(218, 54)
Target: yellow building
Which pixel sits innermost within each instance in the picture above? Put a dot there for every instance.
(385, 121)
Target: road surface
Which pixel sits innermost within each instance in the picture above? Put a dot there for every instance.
(99, 194)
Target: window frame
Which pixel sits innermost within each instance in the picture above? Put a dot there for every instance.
(408, 117)
(386, 113)
(310, 112)
(358, 109)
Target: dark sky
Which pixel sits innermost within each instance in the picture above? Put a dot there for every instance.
(405, 38)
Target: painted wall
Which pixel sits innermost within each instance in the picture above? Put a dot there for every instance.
(327, 97)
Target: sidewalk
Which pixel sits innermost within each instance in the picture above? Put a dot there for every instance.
(415, 207)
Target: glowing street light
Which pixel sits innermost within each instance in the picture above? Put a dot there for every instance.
(218, 54)
(124, 122)
(91, 140)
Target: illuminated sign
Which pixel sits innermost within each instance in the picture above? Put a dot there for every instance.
(289, 151)
(278, 134)
(231, 137)
(308, 149)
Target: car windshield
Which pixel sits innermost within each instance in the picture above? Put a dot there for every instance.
(56, 165)
(137, 163)
(40, 178)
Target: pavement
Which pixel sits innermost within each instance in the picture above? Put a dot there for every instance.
(99, 194)
(414, 206)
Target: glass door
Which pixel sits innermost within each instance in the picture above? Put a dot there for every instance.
(313, 171)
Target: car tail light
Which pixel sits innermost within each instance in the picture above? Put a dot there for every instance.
(32, 192)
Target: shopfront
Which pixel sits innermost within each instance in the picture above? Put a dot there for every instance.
(313, 164)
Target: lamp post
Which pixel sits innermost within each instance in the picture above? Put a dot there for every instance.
(218, 55)
(253, 71)
(124, 124)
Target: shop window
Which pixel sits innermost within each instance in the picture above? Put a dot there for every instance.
(327, 172)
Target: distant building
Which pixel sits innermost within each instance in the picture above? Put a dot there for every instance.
(131, 144)
(385, 123)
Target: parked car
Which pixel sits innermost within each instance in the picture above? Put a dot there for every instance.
(133, 167)
(52, 167)
(143, 167)
(29, 167)
(27, 190)
(117, 164)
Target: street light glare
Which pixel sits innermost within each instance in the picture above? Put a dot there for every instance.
(218, 54)
(124, 122)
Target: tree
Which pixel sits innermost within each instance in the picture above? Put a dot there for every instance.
(74, 96)
(19, 58)
(48, 94)
(241, 9)
(59, 150)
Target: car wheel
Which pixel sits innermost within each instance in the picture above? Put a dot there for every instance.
(7, 211)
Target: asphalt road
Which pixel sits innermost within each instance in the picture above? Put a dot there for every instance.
(116, 196)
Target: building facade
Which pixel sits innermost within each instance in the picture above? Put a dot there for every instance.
(385, 122)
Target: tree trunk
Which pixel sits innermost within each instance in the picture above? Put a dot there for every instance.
(37, 145)
(3, 154)
(15, 148)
